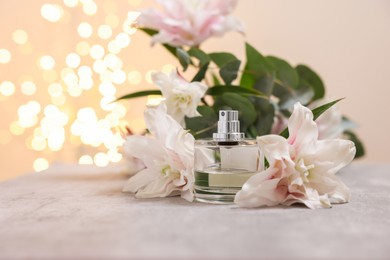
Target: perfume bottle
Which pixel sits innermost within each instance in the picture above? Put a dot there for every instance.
(225, 162)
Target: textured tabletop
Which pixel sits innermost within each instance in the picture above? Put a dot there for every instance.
(80, 212)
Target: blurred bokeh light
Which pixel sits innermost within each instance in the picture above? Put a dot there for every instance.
(58, 81)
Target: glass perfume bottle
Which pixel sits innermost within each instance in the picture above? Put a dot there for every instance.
(225, 162)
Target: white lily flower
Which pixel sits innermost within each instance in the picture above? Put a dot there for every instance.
(190, 22)
(168, 157)
(331, 124)
(302, 168)
(181, 97)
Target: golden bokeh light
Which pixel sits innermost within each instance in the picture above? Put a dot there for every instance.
(7, 88)
(89, 7)
(132, 16)
(113, 62)
(82, 48)
(84, 30)
(28, 88)
(120, 111)
(20, 37)
(84, 71)
(70, 79)
(85, 159)
(106, 88)
(40, 164)
(38, 143)
(52, 13)
(101, 159)
(55, 90)
(28, 114)
(123, 40)
(167, 68)
(104, 32)
(96, 52)
(5, 56)
(113, 47)
(71, 3)
(99, 66)
(47, 62)
(148, 76)
(118, 77)
(74, 90)
(73, 60)
(58, 101)
(86, 83)
(92, 69)
(16, 129)
(106, 103)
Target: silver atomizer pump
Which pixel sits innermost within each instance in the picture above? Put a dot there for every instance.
(228, 127)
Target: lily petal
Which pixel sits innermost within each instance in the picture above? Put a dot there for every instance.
(140, 180)
(160, 187)
(331, 155)
(145, 148)
(190, 22)
(274, 147)
(312, 200)
(181, 97)
(330, 184)
(303, 131)
(259, 190)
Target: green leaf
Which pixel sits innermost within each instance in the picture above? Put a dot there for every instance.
(222, 58)
(251, 132)
(360, 151)
(265, 117)
(200, 55)
(215, 80)
(247, 112)
(308, 76)
(184, 58)
(316, 113)
(228, 64)
(229, 71)
(265, 85)
(152, 32)
(321, 109)
(201, 73)
(204, 125)
(289, 96)
(220, 90)
(140, 94)
(284, 71)
(256, 67)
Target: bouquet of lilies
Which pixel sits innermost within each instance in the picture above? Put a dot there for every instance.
(305, 139)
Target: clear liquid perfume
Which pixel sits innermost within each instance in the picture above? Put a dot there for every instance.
(225, 162)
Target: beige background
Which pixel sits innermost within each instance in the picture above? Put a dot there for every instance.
(346, 42)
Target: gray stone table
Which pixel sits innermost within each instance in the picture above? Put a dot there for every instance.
(75, 212)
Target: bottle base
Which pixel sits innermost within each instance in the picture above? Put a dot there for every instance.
(214, 198)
